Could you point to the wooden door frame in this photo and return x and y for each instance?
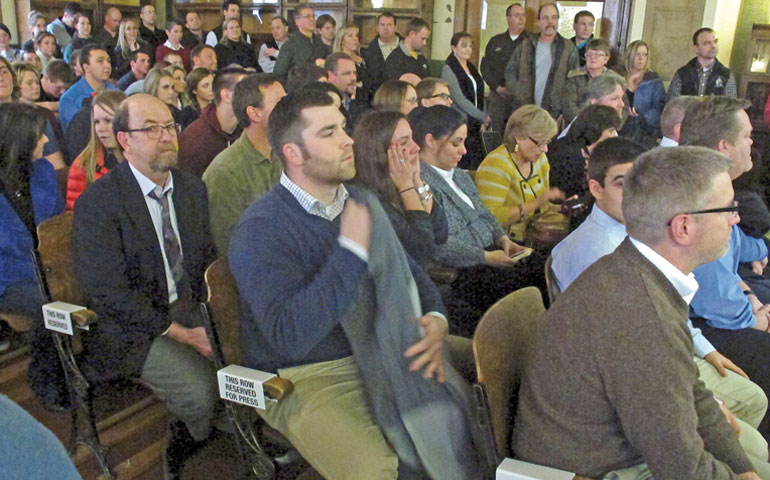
(616, 21)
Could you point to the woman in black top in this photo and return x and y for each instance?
(466, 87)
(232, 49)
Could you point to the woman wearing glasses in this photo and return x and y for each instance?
(466, 88)
(102, 153)
(513, 180)
(597, 56)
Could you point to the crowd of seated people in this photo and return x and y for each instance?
(365, 220)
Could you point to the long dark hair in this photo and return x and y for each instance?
(23, 125)
(372, 138)
(438, 120)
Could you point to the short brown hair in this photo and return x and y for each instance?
(711, 120)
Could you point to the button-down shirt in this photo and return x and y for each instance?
(600, 235)
(329, 212)
(720, 300)
(148, 186)
(448, 176)
(667, 142)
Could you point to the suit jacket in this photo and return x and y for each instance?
(119, 264)
(611, 382)
(471, 230)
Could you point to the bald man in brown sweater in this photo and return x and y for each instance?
(611, 390)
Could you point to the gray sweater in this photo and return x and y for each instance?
(612, 384)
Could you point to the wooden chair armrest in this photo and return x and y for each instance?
(277, 388)
(84, 318)
(19, 323)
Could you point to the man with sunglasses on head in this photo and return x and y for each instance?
(726, 308)
(141, 242)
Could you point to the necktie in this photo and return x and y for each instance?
(171, 245)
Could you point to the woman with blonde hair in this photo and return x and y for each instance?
(28, 80)
(128, 41)
(160, 83)
(232, 49)
(513, 180)
(346, 41)
(646, 93)
(102, 153)
(395, 95)
(180, 84)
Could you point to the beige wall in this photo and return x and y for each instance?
(721, 15)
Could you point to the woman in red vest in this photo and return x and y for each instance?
(102, 152)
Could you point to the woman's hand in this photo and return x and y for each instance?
(401, 172)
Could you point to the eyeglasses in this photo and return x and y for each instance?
(539, 144)
(733, 209)
(595, 54)
(307, 15)
(154, 132)
(443, 96)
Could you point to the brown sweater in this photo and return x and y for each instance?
(612, 384)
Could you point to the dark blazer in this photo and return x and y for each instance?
(471, 230)
(119, 264)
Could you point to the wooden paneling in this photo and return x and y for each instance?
(668, 28)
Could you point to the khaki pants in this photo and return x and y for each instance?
(327, 420)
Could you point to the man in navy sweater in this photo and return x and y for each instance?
(301, 256)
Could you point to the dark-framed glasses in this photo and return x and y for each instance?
(733, 209)
(154, 132)
(442, 96)
(539, 144)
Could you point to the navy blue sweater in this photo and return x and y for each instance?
(296, 283)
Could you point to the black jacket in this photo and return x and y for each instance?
(119, 264)
(717, 80)
(375, 65)
(399, 63)
(241, 53)
(496, 57)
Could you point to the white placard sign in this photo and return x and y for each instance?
(243, 385)
(512, 469)
(58, 316)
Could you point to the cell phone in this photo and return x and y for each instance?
(522, 254)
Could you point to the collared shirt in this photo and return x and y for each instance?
(514, 37)
(720, 300)
(169, 45)
(448, 176)
(667, 142)
(685, 285)
(387, 49)
(147, 186)
(314, 206)
(409, 52)
(599, 235)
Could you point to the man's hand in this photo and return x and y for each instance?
(503, 92)
(758, 266)
(730, 418)
(762, 317)
(429, 348)
(749, 476)
(195, 337)
(356, 223)
(271, 52)
(723, 364)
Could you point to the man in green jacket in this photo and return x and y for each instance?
(244, 171)
(305, 46)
